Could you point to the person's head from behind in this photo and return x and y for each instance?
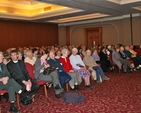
(88, 52)
(51, 55)
(74, 51)
(64, 52)
(1, 57)
(29, 54)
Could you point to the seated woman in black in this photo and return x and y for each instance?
(63, 76)
(105, 62)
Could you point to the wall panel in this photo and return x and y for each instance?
(20, 34)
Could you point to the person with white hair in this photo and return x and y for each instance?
(30, 58)
(76, 78)
(80, 67)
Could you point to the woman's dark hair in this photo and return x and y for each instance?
(34, 49)
(102, 48)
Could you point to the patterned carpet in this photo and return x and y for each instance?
(122, 94)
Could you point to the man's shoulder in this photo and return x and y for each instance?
(10, 63)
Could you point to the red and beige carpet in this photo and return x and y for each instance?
(121, 94)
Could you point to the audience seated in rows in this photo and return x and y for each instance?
(70, 65)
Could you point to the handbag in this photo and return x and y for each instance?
(48, 70)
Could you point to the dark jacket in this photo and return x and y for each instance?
(55, 63)
(5, 72)
(123, 55)
(103, 56)
(15, 73)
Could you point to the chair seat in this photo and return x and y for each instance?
(40, 82)
(2, 92)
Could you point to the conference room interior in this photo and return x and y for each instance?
(74, 24)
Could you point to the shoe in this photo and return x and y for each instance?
(58, 96)
(89, 86)
(77, 88)
(29, 102)
(57, 87)
(25, 103)
(73, 89)
(99, 82)
(14, 110)
(106, 78)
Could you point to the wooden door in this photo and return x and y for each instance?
(93, 36)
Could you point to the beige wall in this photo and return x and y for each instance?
(62, 35)
(117, 31)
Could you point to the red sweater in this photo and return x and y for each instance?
(66, 63)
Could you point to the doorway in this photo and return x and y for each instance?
(93, 36)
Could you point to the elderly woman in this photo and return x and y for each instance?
(76, 78)
(29, 58)
(80, 67)
(89, 61)
(63, 76)
(40, 65)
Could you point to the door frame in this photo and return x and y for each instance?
(93, 28)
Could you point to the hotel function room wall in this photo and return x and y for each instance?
(113, 32)
(21, 34)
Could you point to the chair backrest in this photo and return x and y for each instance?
(30, 69)
(110, 58)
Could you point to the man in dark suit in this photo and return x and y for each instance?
(18, 71)
(9, 84)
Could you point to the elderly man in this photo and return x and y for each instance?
(89, 61)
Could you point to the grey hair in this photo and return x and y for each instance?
(28, 52)
(75, 49)
(64, 51)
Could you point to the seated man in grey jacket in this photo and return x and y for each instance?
(119, 61)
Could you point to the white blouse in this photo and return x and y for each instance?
(74, 60)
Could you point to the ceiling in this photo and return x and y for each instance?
(66, 11)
